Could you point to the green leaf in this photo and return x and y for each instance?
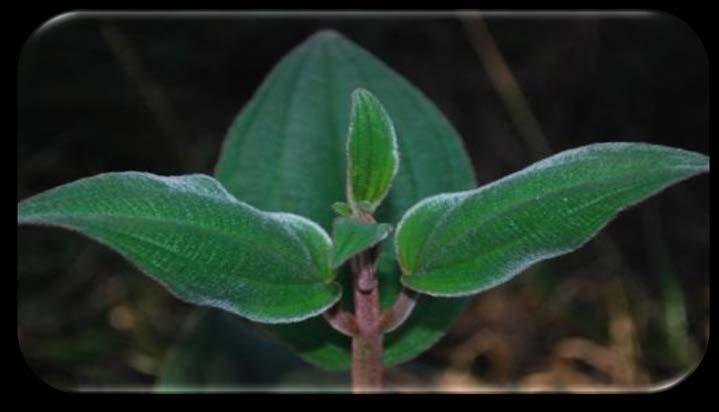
(342, 209)
(372, 158)
(364, 206)
(196, 362)
(194, 237)
(209, 356)
(286, 151)
(459, 244)
(351, 236)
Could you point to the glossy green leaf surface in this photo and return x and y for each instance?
(191, 235)
(458, 244)
(351, 236)
(372, 158)
(286, 152)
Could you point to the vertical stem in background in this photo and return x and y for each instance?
(507, 88)
(155, 97)
(367, 343)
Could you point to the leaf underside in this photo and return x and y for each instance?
(458, 244)
(286, 152)
(194, 237)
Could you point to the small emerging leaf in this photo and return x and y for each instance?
(351, 236)
(365, 207)
(195, 238)
(342, 209)
(372, 158)
(463, 243)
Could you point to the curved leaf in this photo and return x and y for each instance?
(342, 209)
(194, 237)
(372, 158)
(351, 236)
(286, 151)
(458, 244)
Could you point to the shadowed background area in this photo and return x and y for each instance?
(630, 309)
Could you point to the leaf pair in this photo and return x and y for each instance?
(209, 248)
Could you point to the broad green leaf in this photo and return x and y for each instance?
(372, 158)
(209, 356)
(194, 237)
(458, 244)
(351, 236)
(196, 362)
(286, 152)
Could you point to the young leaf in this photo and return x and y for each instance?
(194, 237)
(372, 157)
(286, 151)
(463, 243)
(351, 236)
(342, 209)
(365, 206)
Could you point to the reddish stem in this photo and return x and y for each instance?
(392, 318)
(343, 321)
(368, 325)
(367, 343)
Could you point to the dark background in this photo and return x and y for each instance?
(110, 93)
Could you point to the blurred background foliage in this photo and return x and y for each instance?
(108, 93)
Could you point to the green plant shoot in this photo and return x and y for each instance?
(207, 241)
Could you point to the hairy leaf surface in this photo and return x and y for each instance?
(351, 236)
(194, 237)
(372, 158)
(462, 243)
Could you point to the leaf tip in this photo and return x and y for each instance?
(361, 93)
(704, 163)
(325, 35)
